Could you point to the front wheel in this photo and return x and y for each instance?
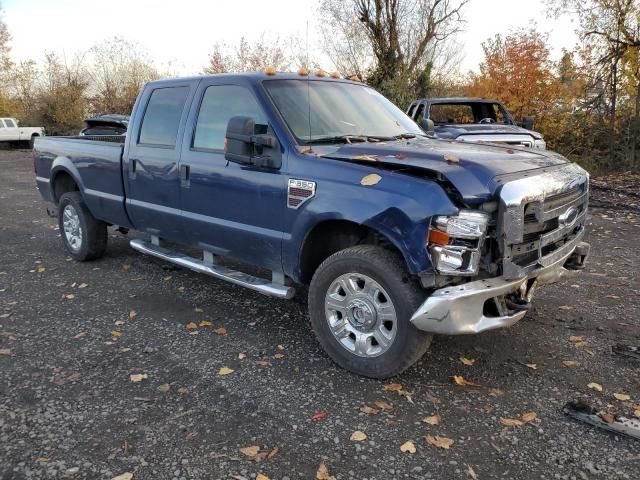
(361, 300)
(84, 236)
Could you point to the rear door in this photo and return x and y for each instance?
(230, 209)
(153, 185)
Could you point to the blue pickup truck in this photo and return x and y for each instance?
(321, 181)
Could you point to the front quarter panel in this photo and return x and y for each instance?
(399, 206)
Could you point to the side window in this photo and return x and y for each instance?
(162, 116)
(219, 104)
(9, 123)
(419, 113)
(1, 124)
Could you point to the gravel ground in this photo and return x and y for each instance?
(72, 334)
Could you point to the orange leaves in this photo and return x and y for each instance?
(527, 417)
(460, 380)
(440, 442)
(318, 415)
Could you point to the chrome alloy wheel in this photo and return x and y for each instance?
(72, 228)
(361, 315)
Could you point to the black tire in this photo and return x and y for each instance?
(92, 232)
(389, 271)
(31, 142)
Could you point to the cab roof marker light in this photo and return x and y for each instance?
(270, 70)
(303, 72)
(335, 74)
(354, 78)
(320, 73)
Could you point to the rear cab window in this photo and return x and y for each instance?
(162, 115)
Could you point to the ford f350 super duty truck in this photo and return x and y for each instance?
(324, 182)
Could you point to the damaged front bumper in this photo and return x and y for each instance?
(492, 303)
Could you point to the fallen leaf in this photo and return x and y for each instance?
(133, 314)
(323, 473)
(118, 323)
(69, 296)
(124, 476)
(440, 442)
(280, 347)
(242, 356)
(462, 381)
(529, 417)
(251, 451)
(595, 386)
(511, 422)
(272, 453)
(115, 333)
(164, 388)
(575, 338)
(606, 417)
(371, 179)
(205, 323)
(42, 460)
(623, 397)
(636, 412)
(566, 307)
(40, 269)
(570, 363)
(5, 351)
(183, 391)
(191, 325)
(471, 473)
(191, 435)
(225, 371)
(221, 331)
(358, 436)
(263, 363)
(408, 447)
(433, 420)
(278, 356)
(495, 392)
(393, 387)
(138, 377)
(318, 415)
(261, 476)
(83, 285)
(532, 366)
(383, 405)
(368, 410)
(468, 361)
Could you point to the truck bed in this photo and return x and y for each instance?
(96, 165)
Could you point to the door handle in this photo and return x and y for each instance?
(134, 165)
(185, 174)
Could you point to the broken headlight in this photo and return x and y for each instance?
(455, 242)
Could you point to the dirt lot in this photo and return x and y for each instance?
(71, 334)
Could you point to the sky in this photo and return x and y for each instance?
(179, 34)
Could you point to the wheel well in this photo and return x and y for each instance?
(330, 237)
(63, 183)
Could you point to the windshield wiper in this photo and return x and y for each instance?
(405, 136)
(337, 139)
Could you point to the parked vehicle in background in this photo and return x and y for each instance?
(322, 181)
(474, 120)
(111, 124)
(11, 131)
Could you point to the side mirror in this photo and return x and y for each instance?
(242, 144)
(427, 125)
(527, 123)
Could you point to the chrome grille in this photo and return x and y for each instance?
(539, 215)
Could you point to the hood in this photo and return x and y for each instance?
(454, 131)
(475, 170)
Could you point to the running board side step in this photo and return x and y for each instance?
(261, 285)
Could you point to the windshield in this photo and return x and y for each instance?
(465, 113)
(314, 110)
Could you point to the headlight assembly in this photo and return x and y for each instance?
(455, 242)
(540, 144)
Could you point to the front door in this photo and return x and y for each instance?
(230, 209)
(10, 131)
(153, 194)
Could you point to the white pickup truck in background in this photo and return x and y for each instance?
(10, 131)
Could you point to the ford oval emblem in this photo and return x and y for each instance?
(568, 218)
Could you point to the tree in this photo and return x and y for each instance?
(248, 57)
(517, 70)
(391, 42)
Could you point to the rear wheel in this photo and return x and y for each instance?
(32, 141)
(84, 237)
(361, 300)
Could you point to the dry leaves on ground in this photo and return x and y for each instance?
(116, 333)
(323, 473)
(133, 314)
(5, 351)
(408, 447)
(164, 388)
(124, 476)
(318, 415)
(242, 356)
(460, 380)
(368, 410)
(138, 377)
(623, 397)
(440, 442)
(396, 387)
(595, 386)
(518, 422)
(191, 325)
(383, 405)
(205, 323)
(251, 451)
(261, 476)
(532, 366)
(606, 417)
(358, 436)
(225, 371)
(220, 331)
(468, 361)
(570, 363)
(433, 420)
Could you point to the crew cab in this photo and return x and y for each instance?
(467, 119)
(10, 131)
(322, 181)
